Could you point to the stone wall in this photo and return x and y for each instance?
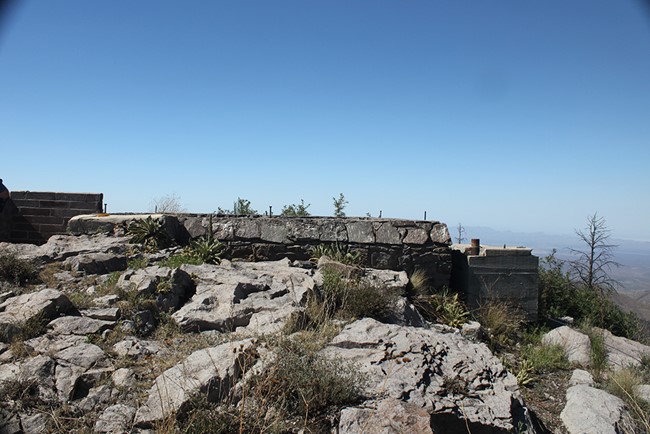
(32, 217)
(505, 274)
(381, 243)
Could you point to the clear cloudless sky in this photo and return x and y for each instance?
(517, 115)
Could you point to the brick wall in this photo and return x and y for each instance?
(33, 217)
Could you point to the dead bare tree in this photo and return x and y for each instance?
(460, 234)
(593, 264)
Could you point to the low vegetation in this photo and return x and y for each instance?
(150, 233)
(440, 306)
(17, 271)
(298, 388)
(296, 210)
(337, 252)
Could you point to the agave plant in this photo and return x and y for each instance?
(150, 233)
(206, 249)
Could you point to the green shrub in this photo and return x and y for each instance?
(354, 298)
(240, 207)
(16, 270)
(299, 387)
(296, 210)
(366, 301)
(560, 296)
(339, 205)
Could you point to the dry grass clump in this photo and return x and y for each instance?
(501, 322)
(298, 388)
(623, 383)
(16, 270)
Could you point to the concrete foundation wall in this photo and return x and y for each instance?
(33, 217)
(510, 275)
(381, 243)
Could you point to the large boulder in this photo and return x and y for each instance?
(211, 371)
(61, 247)
(170, 287)
(449, 377)
(623, 352)
(79, 325)
(18, 313)
(594, 411)
(71, 363)
(258, 296)
(577, 346)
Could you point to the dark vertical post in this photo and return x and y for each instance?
(475, 247)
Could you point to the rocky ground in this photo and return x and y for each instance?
(112, 339)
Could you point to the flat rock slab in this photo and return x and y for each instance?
(580, 376)
(594, 411)
(136, 347)
(442, 373)
(213, 371)
(79, 325)
(387, 417)
(16, 312)
(106, 314)
(60, 247)
(117, 418)
(97, 263)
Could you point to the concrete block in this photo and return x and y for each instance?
(360, 232)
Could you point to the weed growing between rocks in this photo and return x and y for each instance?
(137, 263)
(598, 359)
(338, 253)
(175, 261)
(350, 298)
(437, 306)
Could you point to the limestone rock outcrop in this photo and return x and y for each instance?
(449, 377)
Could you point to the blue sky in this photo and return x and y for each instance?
(522, 116)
